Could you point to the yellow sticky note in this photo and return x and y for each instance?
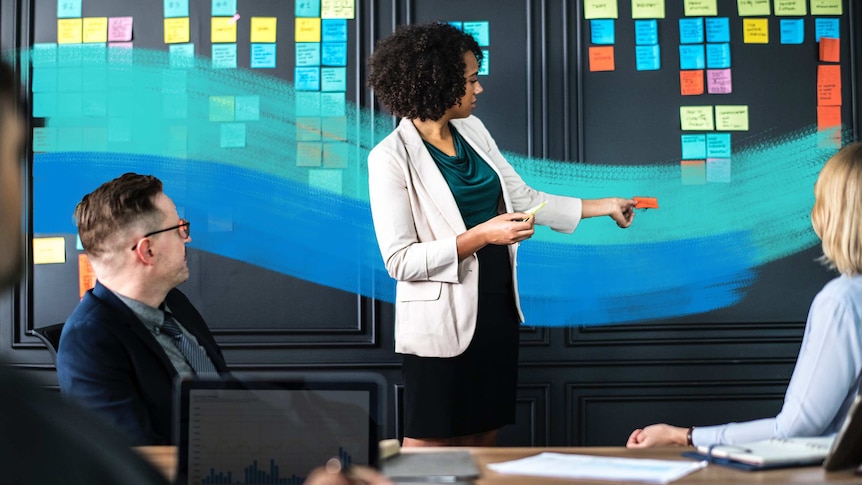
(223, 29)
(96, 29)
(337, 9)
(755, 31)
(698, 8)
(826, 7)
(647, 9)
(176, 30)
(790, 7)
(69, 31)
(263, 29)
(696, 118)
(600, 9)
(48, 250)
(731, 118)
(307, 29)
(747, 8)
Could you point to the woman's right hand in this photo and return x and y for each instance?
(508, 228)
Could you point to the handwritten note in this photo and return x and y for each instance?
(826, 28)
(224, 56)
(223, 8)
(333, 54)
(44, 139)
(792, 31)
(691, 82)
(718, 170)
(263, 56)
(307, 54)
(731, 118)
(755, 31)
(222, 29)
(693, 147)
(247, 108)
(306, 78)
(307, 8)
(830, 49)
(785, 8)
(648, 9)
(718, 145)
(479, 30)
(696, 118)
(600, 9)
(307, 30)
(308, 154)
(337, 9)
(333, 104)
(95, 29)
(691, 56)
(828, 85)
(601, 58)
(335, 30)
(181, 56)
(602, 31)
(826, 7)
(176, 8)
(263, 29)
(718, 29)
(718, 81)
(647, 57)
(49, 250)
(646, 32)
(120, 29)
(176, 30)
(308, 129)
(691, 31)
(68, 9)
(747, 8)
(701, 7)
(69, 31)
(333, 79)
(717, 56)
(307, 103)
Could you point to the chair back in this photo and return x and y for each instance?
(50, 336)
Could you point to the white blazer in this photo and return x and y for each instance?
(417, 220)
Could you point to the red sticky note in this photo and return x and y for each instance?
(602, 58)
(828, 85)
(86, 275)
(691, 82)
(645, 202)
(830, 49)
(828, 117)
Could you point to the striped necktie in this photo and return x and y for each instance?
(194, 354)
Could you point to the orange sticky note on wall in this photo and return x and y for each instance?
(830, 49)
(691, 82)
(828, 117)
(602, 58)
(86, 276)
(828, 85)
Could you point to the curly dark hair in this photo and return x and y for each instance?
(418, 71)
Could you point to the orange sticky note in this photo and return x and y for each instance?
(645, 202)
(602, 58)
(828, 85)
(691, 82)
(830, 49)
(86, 276)
(828, 117)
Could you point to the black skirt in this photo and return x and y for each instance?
(473, 392)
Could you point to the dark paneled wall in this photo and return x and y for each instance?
(578, 386)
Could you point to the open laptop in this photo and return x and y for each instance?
(275, 430)
(844, 450)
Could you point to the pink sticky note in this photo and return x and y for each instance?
(119, 29)
(718, 81)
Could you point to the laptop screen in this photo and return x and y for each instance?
(273, 431)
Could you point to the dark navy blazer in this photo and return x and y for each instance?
(108, 361)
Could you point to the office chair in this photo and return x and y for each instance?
(50, 336)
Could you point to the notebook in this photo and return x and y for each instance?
(274, 431)
(844, 450)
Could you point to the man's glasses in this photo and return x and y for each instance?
(184, 227)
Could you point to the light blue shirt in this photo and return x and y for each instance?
(825, 379)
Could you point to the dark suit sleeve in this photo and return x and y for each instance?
(94, 370)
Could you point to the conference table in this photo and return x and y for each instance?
(165, 459)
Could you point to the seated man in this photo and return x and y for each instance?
(134, 334)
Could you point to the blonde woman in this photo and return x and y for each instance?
(827, 373)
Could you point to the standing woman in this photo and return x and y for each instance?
(448, 212)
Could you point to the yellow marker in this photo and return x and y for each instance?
(533, 211)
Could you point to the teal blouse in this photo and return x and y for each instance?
(472, 181)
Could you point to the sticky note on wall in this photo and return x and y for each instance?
(601, 58)
(755, 31)
(307, 30)
(696, 118)
(731, 117)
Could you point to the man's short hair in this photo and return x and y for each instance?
(114, 207)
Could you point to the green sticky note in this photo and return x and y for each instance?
(221, 108)
(600, 9)
(747, 8)
(795, 8)
(731, 118)
(826, 7)
(647, 9)
(695, 8)
(696, 118)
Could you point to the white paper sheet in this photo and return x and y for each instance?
(562, 465)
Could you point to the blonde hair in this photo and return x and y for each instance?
(837, 213)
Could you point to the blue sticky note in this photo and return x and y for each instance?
(232, 135)
(70, 54)
(93, 54)
(792, 31)
(69, 79)
(224, 56)
(691, 30)
(306, 78)
(457, 25)
(485, 66)
(182, 56)
(718, 29)
(68, 9)
(717, 56)
(44, 55)
(646, 32)
(307, 103)
(70, 105)
(123, 55)
(718, 145)
(479, 31)
(307, 54)
(691, 57)
(177, 8)
(824, 27)
(333, 30)
(223, 8)
(94, 78)
(44, 80)
(647, 57)
(247, 108)
(307, 8)
(333, 54)
(44, 105)
(333, 104)
(602, 31)
(333, 79)
(263, 55)
(693, 147)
